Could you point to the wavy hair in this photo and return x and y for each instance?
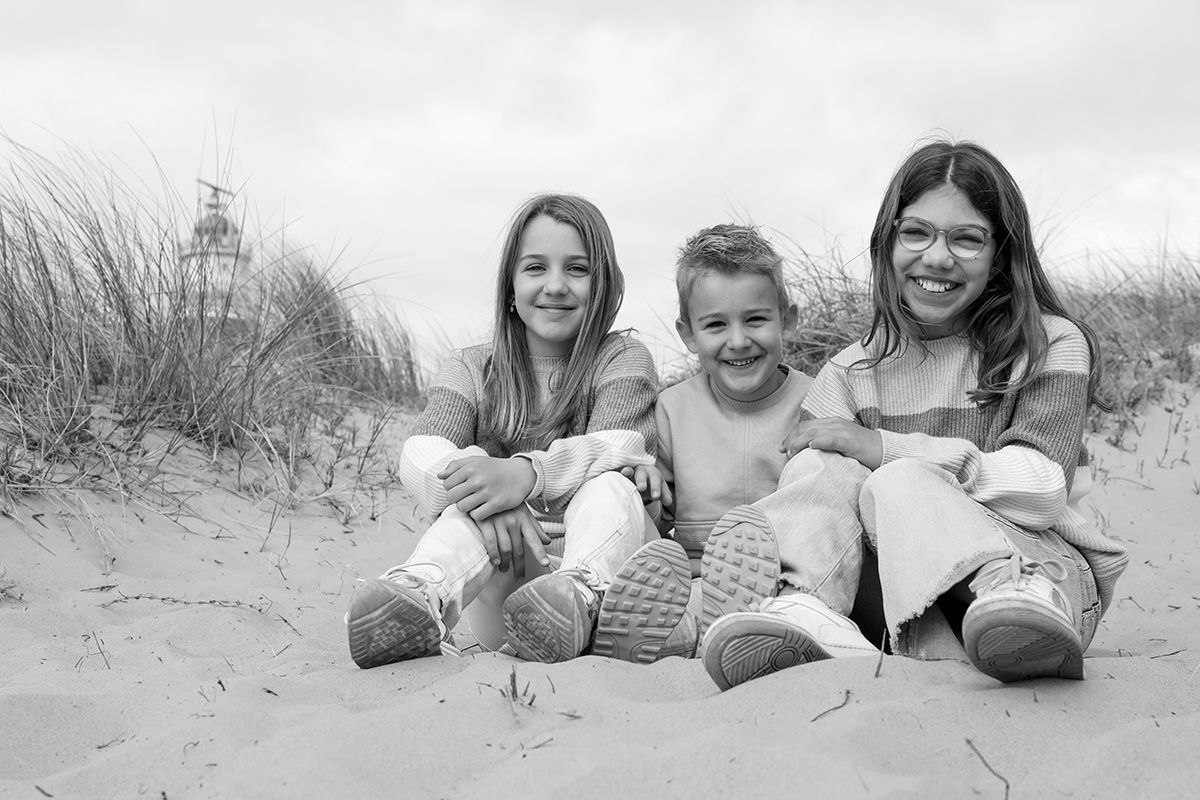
(510, 405)
(1004, 323)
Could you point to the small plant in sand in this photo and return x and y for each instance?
(8, 589)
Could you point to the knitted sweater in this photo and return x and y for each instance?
(616, 430)
(716, 452)
(1022, 457)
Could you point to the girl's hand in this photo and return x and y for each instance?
(510, 537)
(649, 483)
(482, 486)
(835, 435)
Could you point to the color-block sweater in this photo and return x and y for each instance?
(616, 430)
(717, 452)
(1022, 457)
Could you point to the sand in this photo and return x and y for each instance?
(196, 648)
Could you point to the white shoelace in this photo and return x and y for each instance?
(1019, 571)
(1041, 578)
(587, 578)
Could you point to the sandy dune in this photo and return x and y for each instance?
(209, 660)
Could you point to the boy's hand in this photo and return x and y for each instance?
(510, 537)
(835, 435)
(649, 482)
(482, 486)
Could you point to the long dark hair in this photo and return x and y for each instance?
(1005, 321)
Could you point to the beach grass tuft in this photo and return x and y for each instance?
(108, 334)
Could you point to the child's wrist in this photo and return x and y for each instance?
(528, 473)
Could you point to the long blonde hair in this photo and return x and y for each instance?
(510, 404)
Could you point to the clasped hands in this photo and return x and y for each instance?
(492, 492)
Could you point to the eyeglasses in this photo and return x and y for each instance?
(917, 236)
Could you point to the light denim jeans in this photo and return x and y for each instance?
(605, 523)
(928, 536)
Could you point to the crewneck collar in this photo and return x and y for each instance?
(774, 397)
(543, 364)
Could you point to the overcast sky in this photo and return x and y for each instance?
(404, 134)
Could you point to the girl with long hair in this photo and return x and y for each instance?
(513, 456)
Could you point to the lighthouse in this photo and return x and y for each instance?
(217, 241)
(216, 263)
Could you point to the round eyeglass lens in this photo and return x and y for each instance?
(915, 235)
(966, 242)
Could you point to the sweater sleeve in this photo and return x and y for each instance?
(444, 431)
(620, 429)
(830, 395)
(1027, 478)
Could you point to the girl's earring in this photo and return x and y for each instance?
(512, 306)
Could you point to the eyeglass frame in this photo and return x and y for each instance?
(987, 236)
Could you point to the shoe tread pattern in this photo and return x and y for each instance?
(1012, 643)
(645, 602)
(544, 622)
(389, 623)
(740, 566)
(753, 647)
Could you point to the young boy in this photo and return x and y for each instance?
(719, 441)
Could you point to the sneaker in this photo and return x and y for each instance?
(786, 631)
(644, 604)
(740, 566)
(552, 617)
(836, 634)
(1020, 624)
(393, 619)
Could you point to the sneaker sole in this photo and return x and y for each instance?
(740, 566)
(644, 604)
(1013, 642)
(546, 626)
(744, 647)
(389, 623)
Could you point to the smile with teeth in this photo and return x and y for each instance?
(935, 286)
(740, 362)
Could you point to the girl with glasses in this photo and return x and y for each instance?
(945, 447)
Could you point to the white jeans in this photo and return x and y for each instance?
(927, 533)
(605, 523)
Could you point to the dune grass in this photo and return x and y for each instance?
(106, 335)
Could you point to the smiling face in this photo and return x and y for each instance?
(552, 283)
(736, 328)
(936, 286)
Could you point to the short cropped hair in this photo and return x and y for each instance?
(727, 250)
